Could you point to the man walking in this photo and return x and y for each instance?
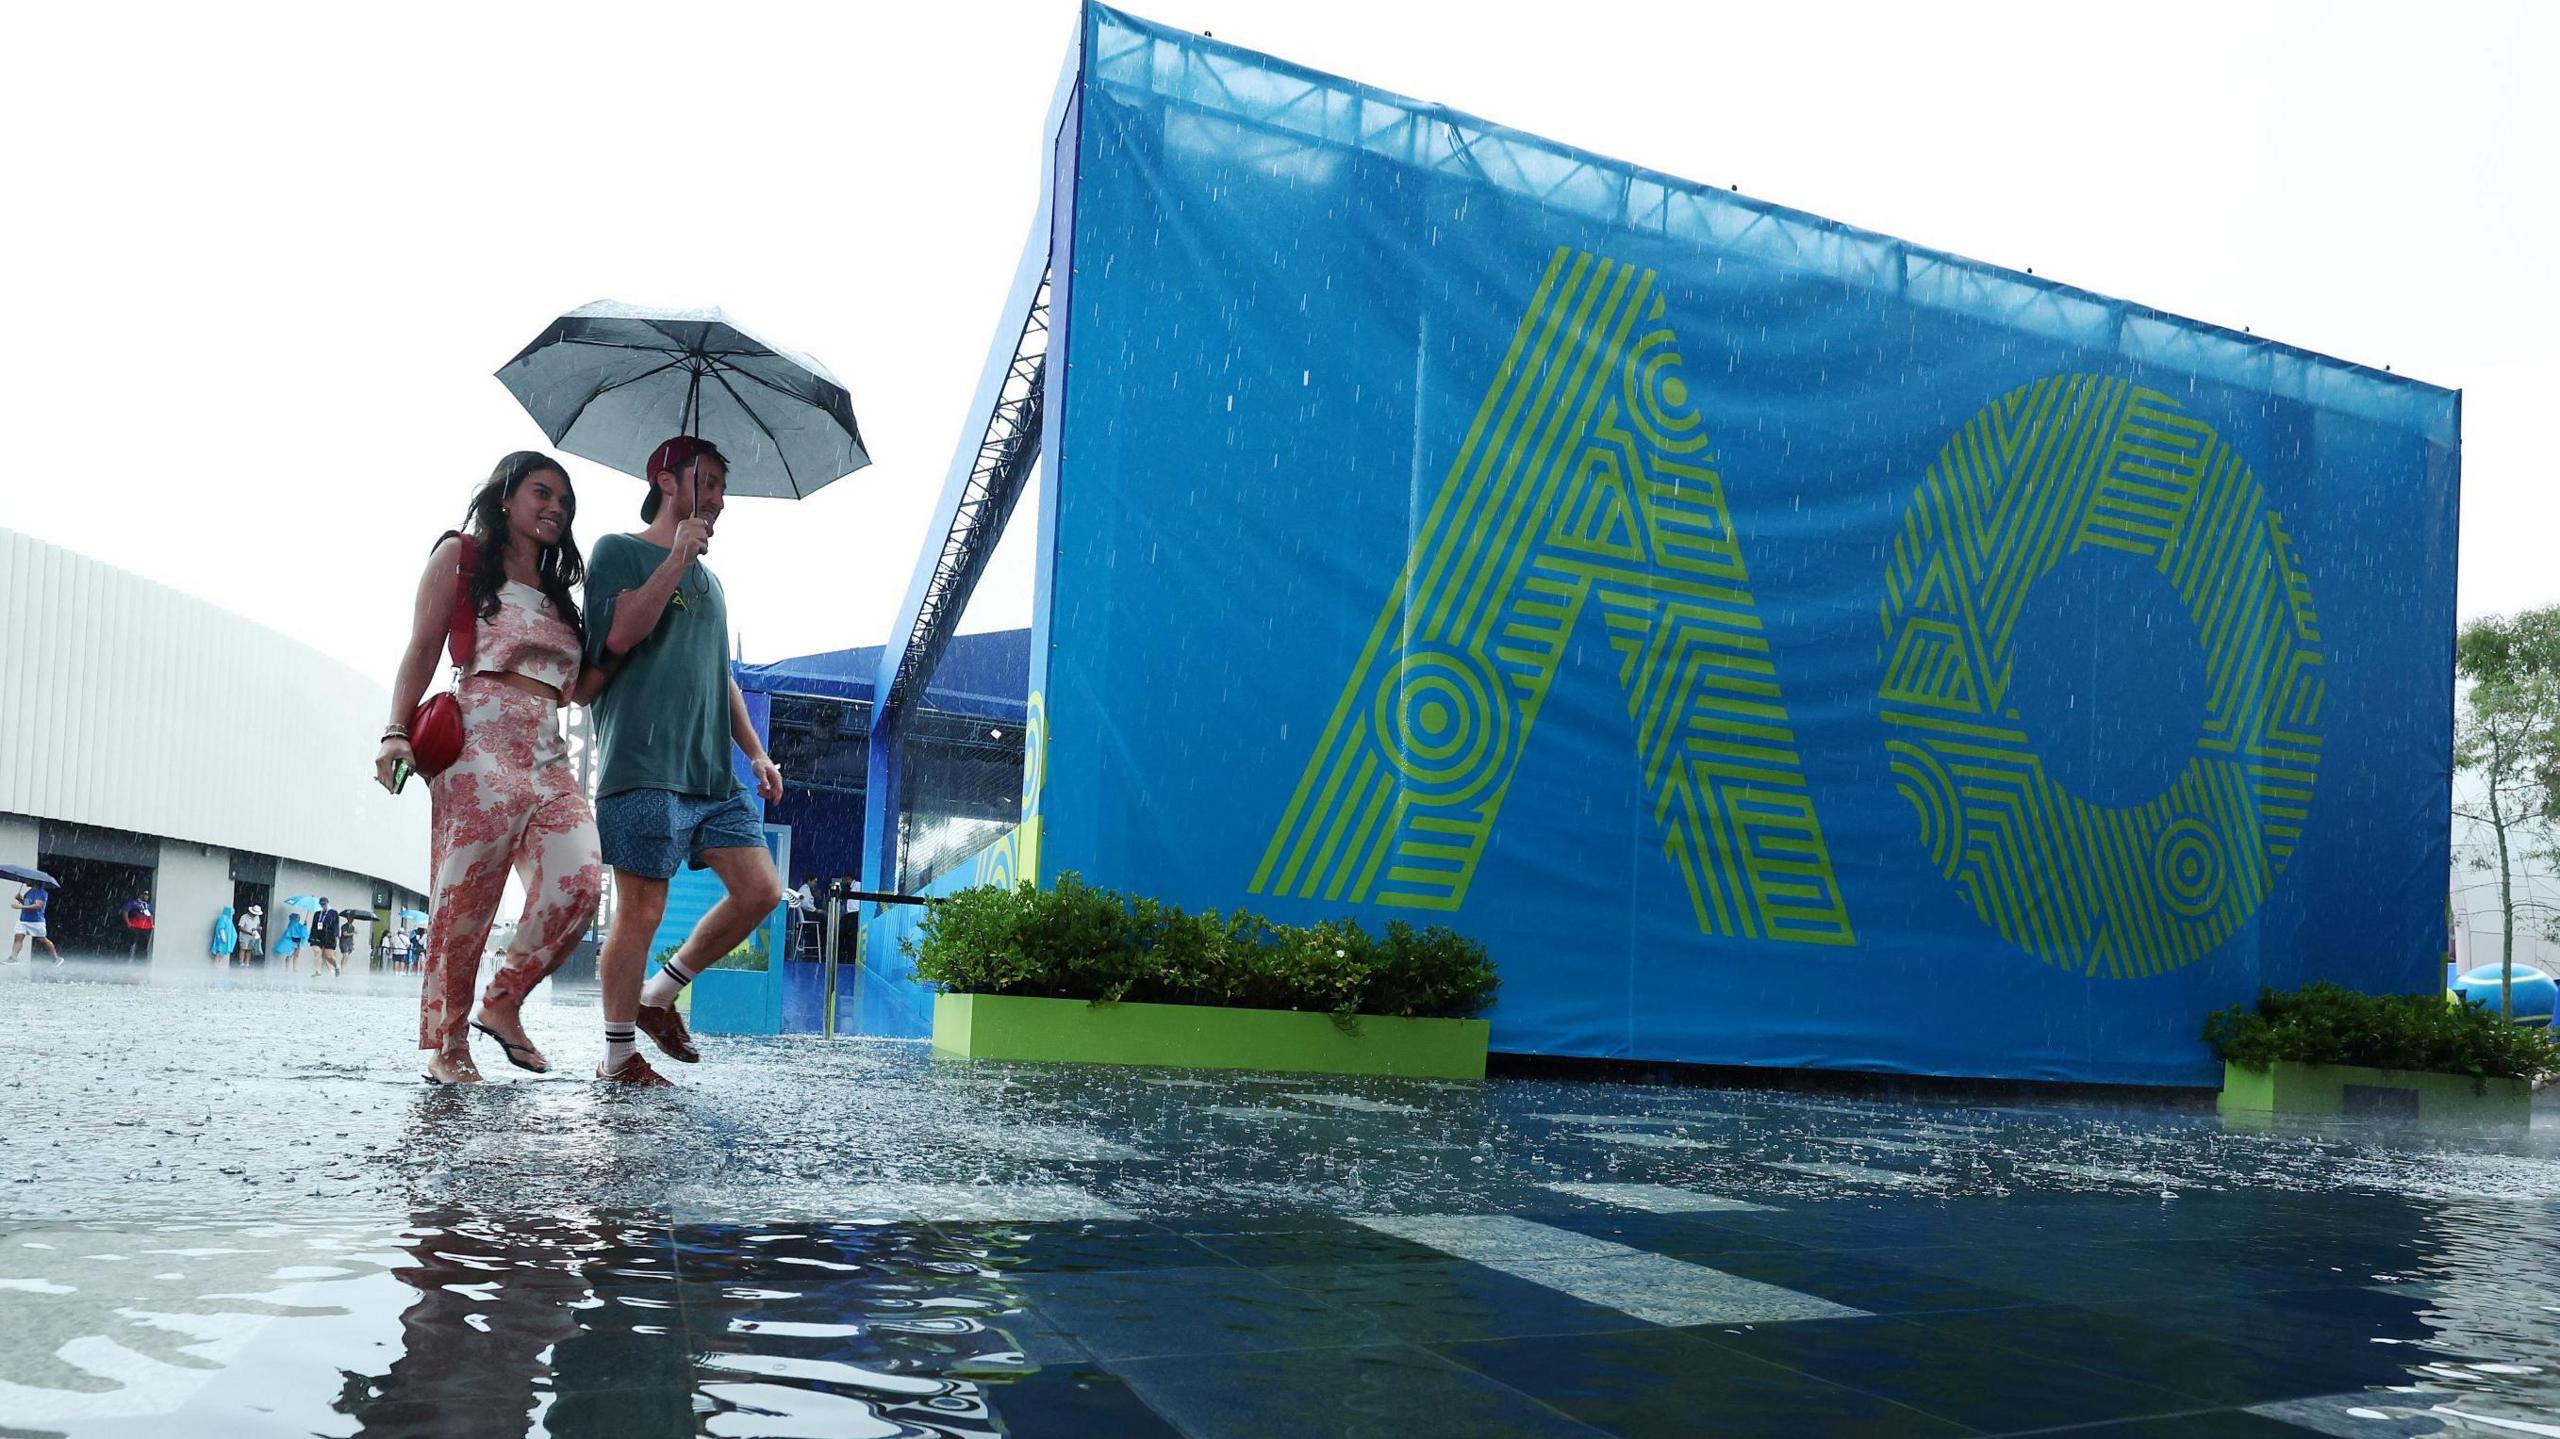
(253, 935)
(665, 792)
(31, 902)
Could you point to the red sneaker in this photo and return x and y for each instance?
(665, 1029)
(635, 1072)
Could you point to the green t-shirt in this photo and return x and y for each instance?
(663, 723)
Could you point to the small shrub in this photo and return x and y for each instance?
(2325, 1024)
(1074, 941)
(749, 955)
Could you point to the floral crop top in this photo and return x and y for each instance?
(527, 637)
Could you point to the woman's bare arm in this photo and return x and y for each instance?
(429, 620)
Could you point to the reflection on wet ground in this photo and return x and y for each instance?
(229, 1208)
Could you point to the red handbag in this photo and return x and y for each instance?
(435, 729)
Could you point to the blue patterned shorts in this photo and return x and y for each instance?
(654, 831)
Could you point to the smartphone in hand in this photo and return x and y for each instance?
(399, 775)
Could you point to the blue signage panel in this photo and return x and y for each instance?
(1779, 644)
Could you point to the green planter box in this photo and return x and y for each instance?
(2349, 1091)
(1191, 1036)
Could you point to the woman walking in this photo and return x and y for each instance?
(510, 800)
(226, 939)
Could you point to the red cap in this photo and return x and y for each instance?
(679, 452)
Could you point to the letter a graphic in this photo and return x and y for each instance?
(1585, 480)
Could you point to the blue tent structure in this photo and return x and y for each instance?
(819, 729)
(1779, 643)
(815, 714)
(981, 674)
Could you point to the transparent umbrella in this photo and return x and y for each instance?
(609, 381)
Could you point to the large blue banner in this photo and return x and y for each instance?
(1779, 644)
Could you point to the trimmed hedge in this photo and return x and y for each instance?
(1074, 941)
(2325, 1024)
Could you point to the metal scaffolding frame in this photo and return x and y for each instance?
(1235, 107)
(1006, 455)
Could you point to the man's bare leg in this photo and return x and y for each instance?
(753, 890)
(746, 872)
(639, 902)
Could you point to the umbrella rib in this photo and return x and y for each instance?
(852, 431)
(779, 453)
(619, 345)
(670, 348)
(600, 392)
(702, 349)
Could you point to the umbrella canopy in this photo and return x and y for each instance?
(364, 914)
(303, 901)
(609, 381)
(413, 916)
(28, 874)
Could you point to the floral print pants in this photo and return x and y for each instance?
(509, 802)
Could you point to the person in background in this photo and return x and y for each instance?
(137, 927)
(418, 947)
(395, 949)
(848, 922)
(253, 934)
(324, 938)
(804, 918)
(350, 940)
(31, 902)
(289, 944)
(226, 939)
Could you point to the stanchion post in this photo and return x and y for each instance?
(828, 948)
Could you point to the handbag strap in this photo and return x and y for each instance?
(462, 634)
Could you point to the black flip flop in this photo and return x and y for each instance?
(511, 1048)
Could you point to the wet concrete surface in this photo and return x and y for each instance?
(227, 1205)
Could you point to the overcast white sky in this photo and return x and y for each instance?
(268, 257)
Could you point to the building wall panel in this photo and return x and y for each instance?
(122, 704)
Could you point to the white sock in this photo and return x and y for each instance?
(620, 1043)
(663, 987)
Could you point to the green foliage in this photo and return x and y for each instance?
(2507, 740)
(1074, 941)
(2509, 731)
(2325, 1024)
(2522, 648)
(750, 955)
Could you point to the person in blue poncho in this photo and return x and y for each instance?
(289, 944)
(226, 938)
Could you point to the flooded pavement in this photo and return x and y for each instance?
(229, 1207)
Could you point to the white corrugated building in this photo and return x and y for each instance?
(129, 757)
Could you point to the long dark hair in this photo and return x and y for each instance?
(562, 568)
